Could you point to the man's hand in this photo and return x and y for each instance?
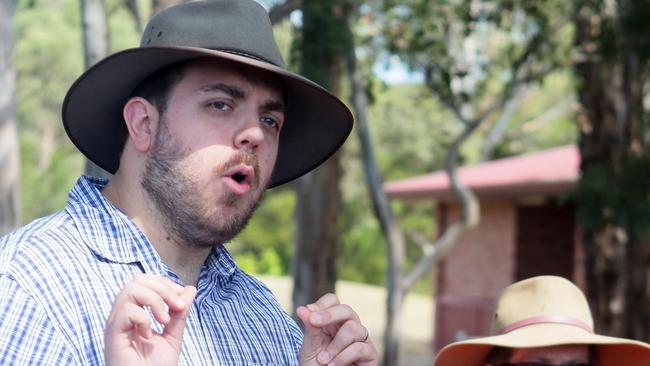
(334, 335)
(128, 336)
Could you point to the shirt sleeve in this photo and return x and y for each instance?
(27, 337)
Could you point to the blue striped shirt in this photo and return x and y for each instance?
(60, 274)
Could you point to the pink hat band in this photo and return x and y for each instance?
(548, 319)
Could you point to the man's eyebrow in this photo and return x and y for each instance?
(231, 90)
(238, 93)
(274, 106)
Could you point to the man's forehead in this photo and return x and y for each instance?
(206, 69)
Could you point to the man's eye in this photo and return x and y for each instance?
(222, 106)
(271, 122)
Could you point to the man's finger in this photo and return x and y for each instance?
(349, 333)
(358, 353)
(176, 326)
(332, 315)
(163, 286)
(131, 316)
(144, 296)
(324, 302)
(303, 313)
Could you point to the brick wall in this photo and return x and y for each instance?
(482, 261)
(474, 272)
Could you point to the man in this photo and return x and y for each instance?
(544, 321)
(195, 124)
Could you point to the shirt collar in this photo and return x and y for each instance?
(221, 262)
(105, 229)
(112, 235)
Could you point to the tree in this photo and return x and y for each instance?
(95, 41)
(9, 167)
(281, 11)
(134, 10)
(321, 48)
(614, 190)
(158, 5)
(452, 45)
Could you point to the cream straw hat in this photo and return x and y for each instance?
(539, 312)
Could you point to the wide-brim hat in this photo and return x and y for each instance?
(316, 123)
(544, 311)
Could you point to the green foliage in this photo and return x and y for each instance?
(323, 41)
(122, 29)
(544, 119)
(49, 163)
(616, 27)
(44, 189)
(409, 129)
(619, 197)
(266, 245)
(468, 51)
(614, 187)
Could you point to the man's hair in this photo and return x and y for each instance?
(502, 354)
(157, 87)
(498, 355)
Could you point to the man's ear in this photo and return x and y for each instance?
(141, 118)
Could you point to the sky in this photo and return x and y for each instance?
(392, 71)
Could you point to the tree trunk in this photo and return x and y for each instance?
(319, 198)
(398, 281)
(132, 7)
(95, 40)
(395, 245)
(158, 5)
(610, 121)
(281, 11)
(317, 211)
(9, 150)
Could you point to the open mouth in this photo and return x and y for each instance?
(240, 179)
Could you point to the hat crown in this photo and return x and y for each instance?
(540, 297)
(237, 26)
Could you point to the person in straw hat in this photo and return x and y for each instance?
(544, 321)
(195, 124)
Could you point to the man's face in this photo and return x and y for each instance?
(564, 355)
(214, 151)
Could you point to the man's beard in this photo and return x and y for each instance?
(178, 197)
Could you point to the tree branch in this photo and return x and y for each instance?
(132, 7)
(281, 11)
(441, 247)
(424, 244)
(498, 130)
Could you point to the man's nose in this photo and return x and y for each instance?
(250, 135)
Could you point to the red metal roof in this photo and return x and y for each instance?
(547, 172)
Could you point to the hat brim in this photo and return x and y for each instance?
(317, 122)
(612, 351)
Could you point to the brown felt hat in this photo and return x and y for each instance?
(317, 122)
(544, 311)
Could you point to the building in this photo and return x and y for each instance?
(527, 228)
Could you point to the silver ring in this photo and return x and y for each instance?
(367, 335)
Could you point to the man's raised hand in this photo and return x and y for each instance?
(129, 339)
(334, 335)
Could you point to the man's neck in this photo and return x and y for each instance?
(183, 259)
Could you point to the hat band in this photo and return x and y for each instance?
(553, 319)
(245, 54)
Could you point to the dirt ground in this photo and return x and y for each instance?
(370, 303)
